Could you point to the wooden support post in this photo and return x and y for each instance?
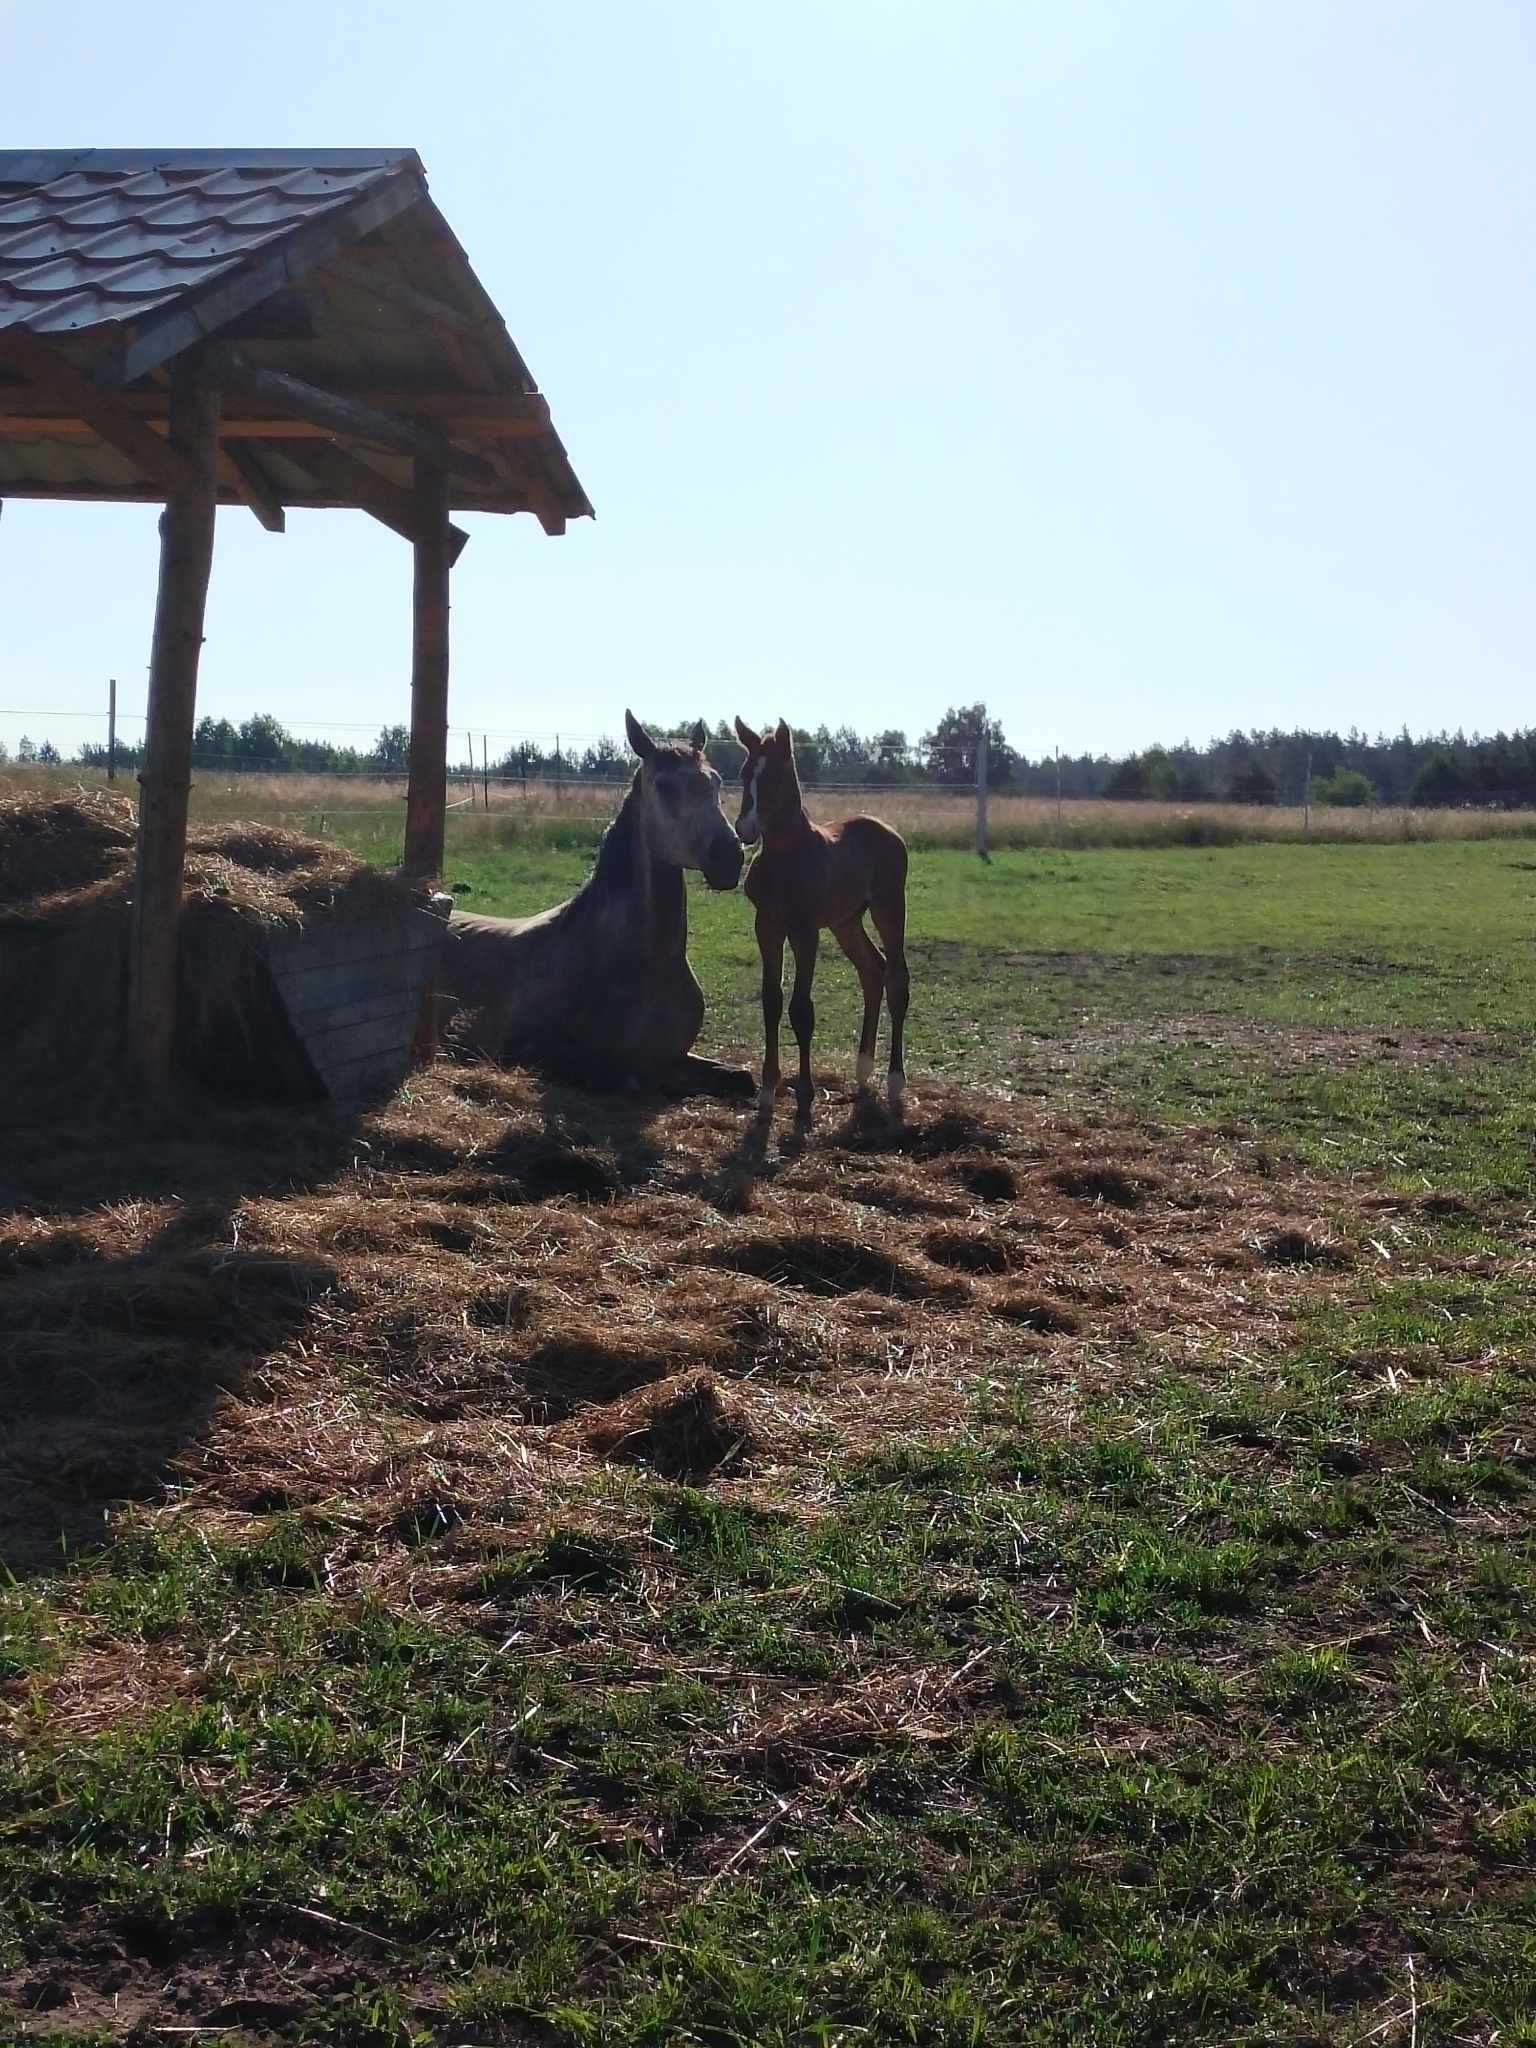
(186, 555)
(112, 729)
(981, 792)
(427, 792)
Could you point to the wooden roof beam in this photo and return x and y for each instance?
(30, 423)
(116, 424)
(355, 482)
(501, 415)
(344, 417)
(243, 471)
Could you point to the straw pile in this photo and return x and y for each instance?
(408, 1323)
(66, 889)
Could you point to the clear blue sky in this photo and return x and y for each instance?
(1146, 368)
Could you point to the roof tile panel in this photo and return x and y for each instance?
(112, 238)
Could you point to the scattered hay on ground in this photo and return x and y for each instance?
(490, 1289)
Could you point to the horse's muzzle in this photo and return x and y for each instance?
(723, 868)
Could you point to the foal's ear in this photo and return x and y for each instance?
(749, 739)
(784, 736)
(699, 737)
(640, 740)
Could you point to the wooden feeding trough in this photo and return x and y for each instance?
(262, 328)
(354, 997)
(302, 974)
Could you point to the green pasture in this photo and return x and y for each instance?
(1253, 1750)
(1370, 1006)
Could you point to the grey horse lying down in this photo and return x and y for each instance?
(598, 990)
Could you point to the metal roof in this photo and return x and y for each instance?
(87, 238)
(127, 257)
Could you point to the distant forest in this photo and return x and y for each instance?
(1437, 770)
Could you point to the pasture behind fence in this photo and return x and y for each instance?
(565, 786)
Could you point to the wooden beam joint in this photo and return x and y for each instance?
(347, 418)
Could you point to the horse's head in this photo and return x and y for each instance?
(770, 782)
(684, 822)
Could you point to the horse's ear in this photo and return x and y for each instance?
(699, 737)
(749, 739)
(640, 740)
(784, 736)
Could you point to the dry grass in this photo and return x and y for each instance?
(927, 817)
(420, 1317)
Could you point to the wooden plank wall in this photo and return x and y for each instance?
(354, 994)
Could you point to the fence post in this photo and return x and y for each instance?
(485, 765)
(981, 793)
(112, 730)
(559, 772)
(1306, 824)
(1058, 796)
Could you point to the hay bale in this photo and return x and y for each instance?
(50, 844)
(66, 892)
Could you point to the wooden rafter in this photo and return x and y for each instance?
(243, 470)
(70, 390)
(501, 414)
(32, 423)
(353, 481)
(344, 417)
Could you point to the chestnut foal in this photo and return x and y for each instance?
(814, 878)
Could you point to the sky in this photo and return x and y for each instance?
(1141, 367)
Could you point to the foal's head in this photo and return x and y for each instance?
(770, 782)
(684, 823)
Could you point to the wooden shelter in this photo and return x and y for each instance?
(265, 328)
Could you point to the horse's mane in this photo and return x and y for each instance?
(616, 850)
(616, 869)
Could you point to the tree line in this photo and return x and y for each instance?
(1434, 771)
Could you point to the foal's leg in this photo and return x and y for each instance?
(889, 910)
(869, 964)
(770, 943)
(802, 1011)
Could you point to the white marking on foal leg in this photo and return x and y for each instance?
(766, 1097)
(864, 1067)
(898, 1093)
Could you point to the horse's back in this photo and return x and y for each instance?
(873, 840)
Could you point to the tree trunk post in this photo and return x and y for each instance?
(112, 729)
(426, 800)
(165, 777)
(981, 793)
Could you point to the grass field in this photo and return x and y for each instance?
(1060, 1572)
